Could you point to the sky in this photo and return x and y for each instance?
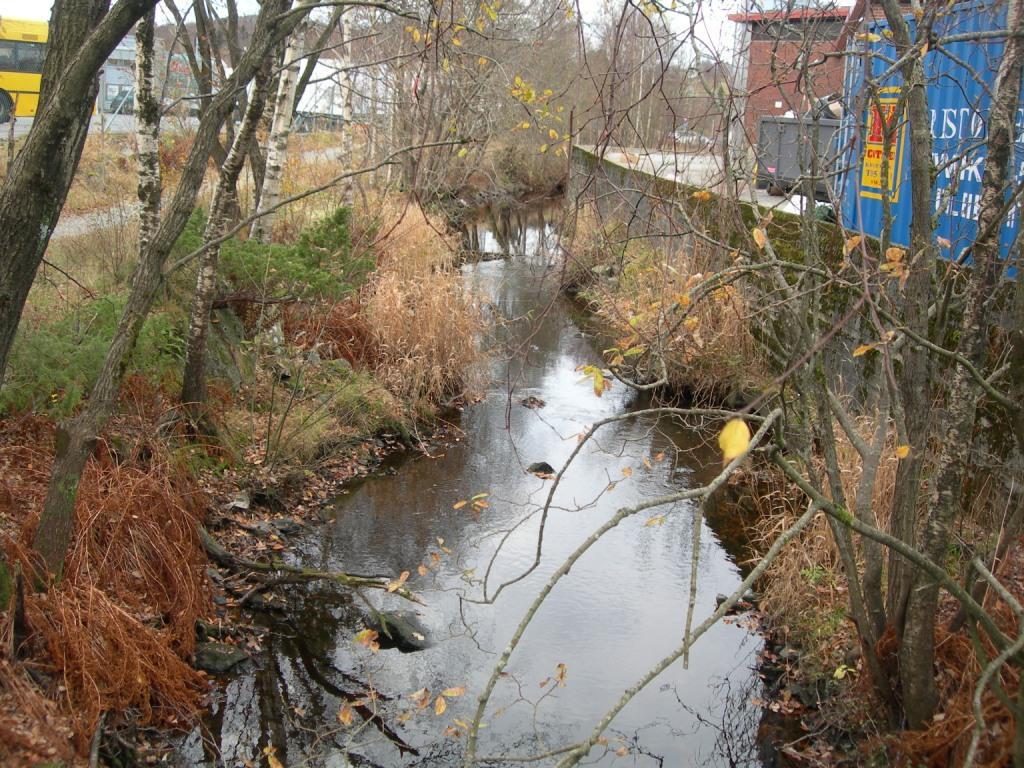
(716, 32)
(26, 9)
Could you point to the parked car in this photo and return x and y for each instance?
(690, 140)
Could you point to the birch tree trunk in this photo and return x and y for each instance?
(277, 145)
(147, 116)
(225, 200)
(76, 437)
(345, 83)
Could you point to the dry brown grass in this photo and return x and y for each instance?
(116, 632)
(706, 344)
(408, 242)
(107, 174)
(805, 588)
(424, 325)
(426, 334)
(413, 325)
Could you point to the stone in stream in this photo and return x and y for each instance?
(399, 629)
(532, 402)
(218, 658)
(749, 600)
(540, 468)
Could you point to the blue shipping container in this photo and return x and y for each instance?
(961, 74)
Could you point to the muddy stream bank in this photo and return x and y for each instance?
(622, 608)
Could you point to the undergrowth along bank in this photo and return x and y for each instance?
(689, 320)
(360, 324)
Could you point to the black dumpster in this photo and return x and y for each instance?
(786, 153)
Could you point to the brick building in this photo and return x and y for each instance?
(778, 47)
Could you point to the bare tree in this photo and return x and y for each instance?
(82, 35)
(225, 200)
(76, 438)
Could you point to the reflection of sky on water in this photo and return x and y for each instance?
(622, 607)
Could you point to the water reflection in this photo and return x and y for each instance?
(625, 605)
(502, 230)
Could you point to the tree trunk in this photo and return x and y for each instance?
(75, 441)
(225, 200)
(75, 438)
(82, 35)
(277, 146)
(345, 83)
(147, 116)
(915, 387)
(917, 648)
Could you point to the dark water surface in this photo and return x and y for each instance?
(622, 607)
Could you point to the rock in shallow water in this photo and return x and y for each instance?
(399, 629)
(218, 658)
(541, 468)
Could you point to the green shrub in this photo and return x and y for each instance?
(54, 365)
(319, 264)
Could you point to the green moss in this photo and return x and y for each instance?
(842, 514)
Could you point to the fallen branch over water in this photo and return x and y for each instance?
(220, 555)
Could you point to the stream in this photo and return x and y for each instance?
(621, 608)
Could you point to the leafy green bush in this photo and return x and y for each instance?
(319, 264)
(54, 365)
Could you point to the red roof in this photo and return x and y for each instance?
(797, 14)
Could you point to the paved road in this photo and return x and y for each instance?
(99, 124)
(71, 225)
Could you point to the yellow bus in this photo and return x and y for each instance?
(22, 45)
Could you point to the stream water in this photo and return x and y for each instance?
(622, 607)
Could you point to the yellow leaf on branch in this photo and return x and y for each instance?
(734, 439)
